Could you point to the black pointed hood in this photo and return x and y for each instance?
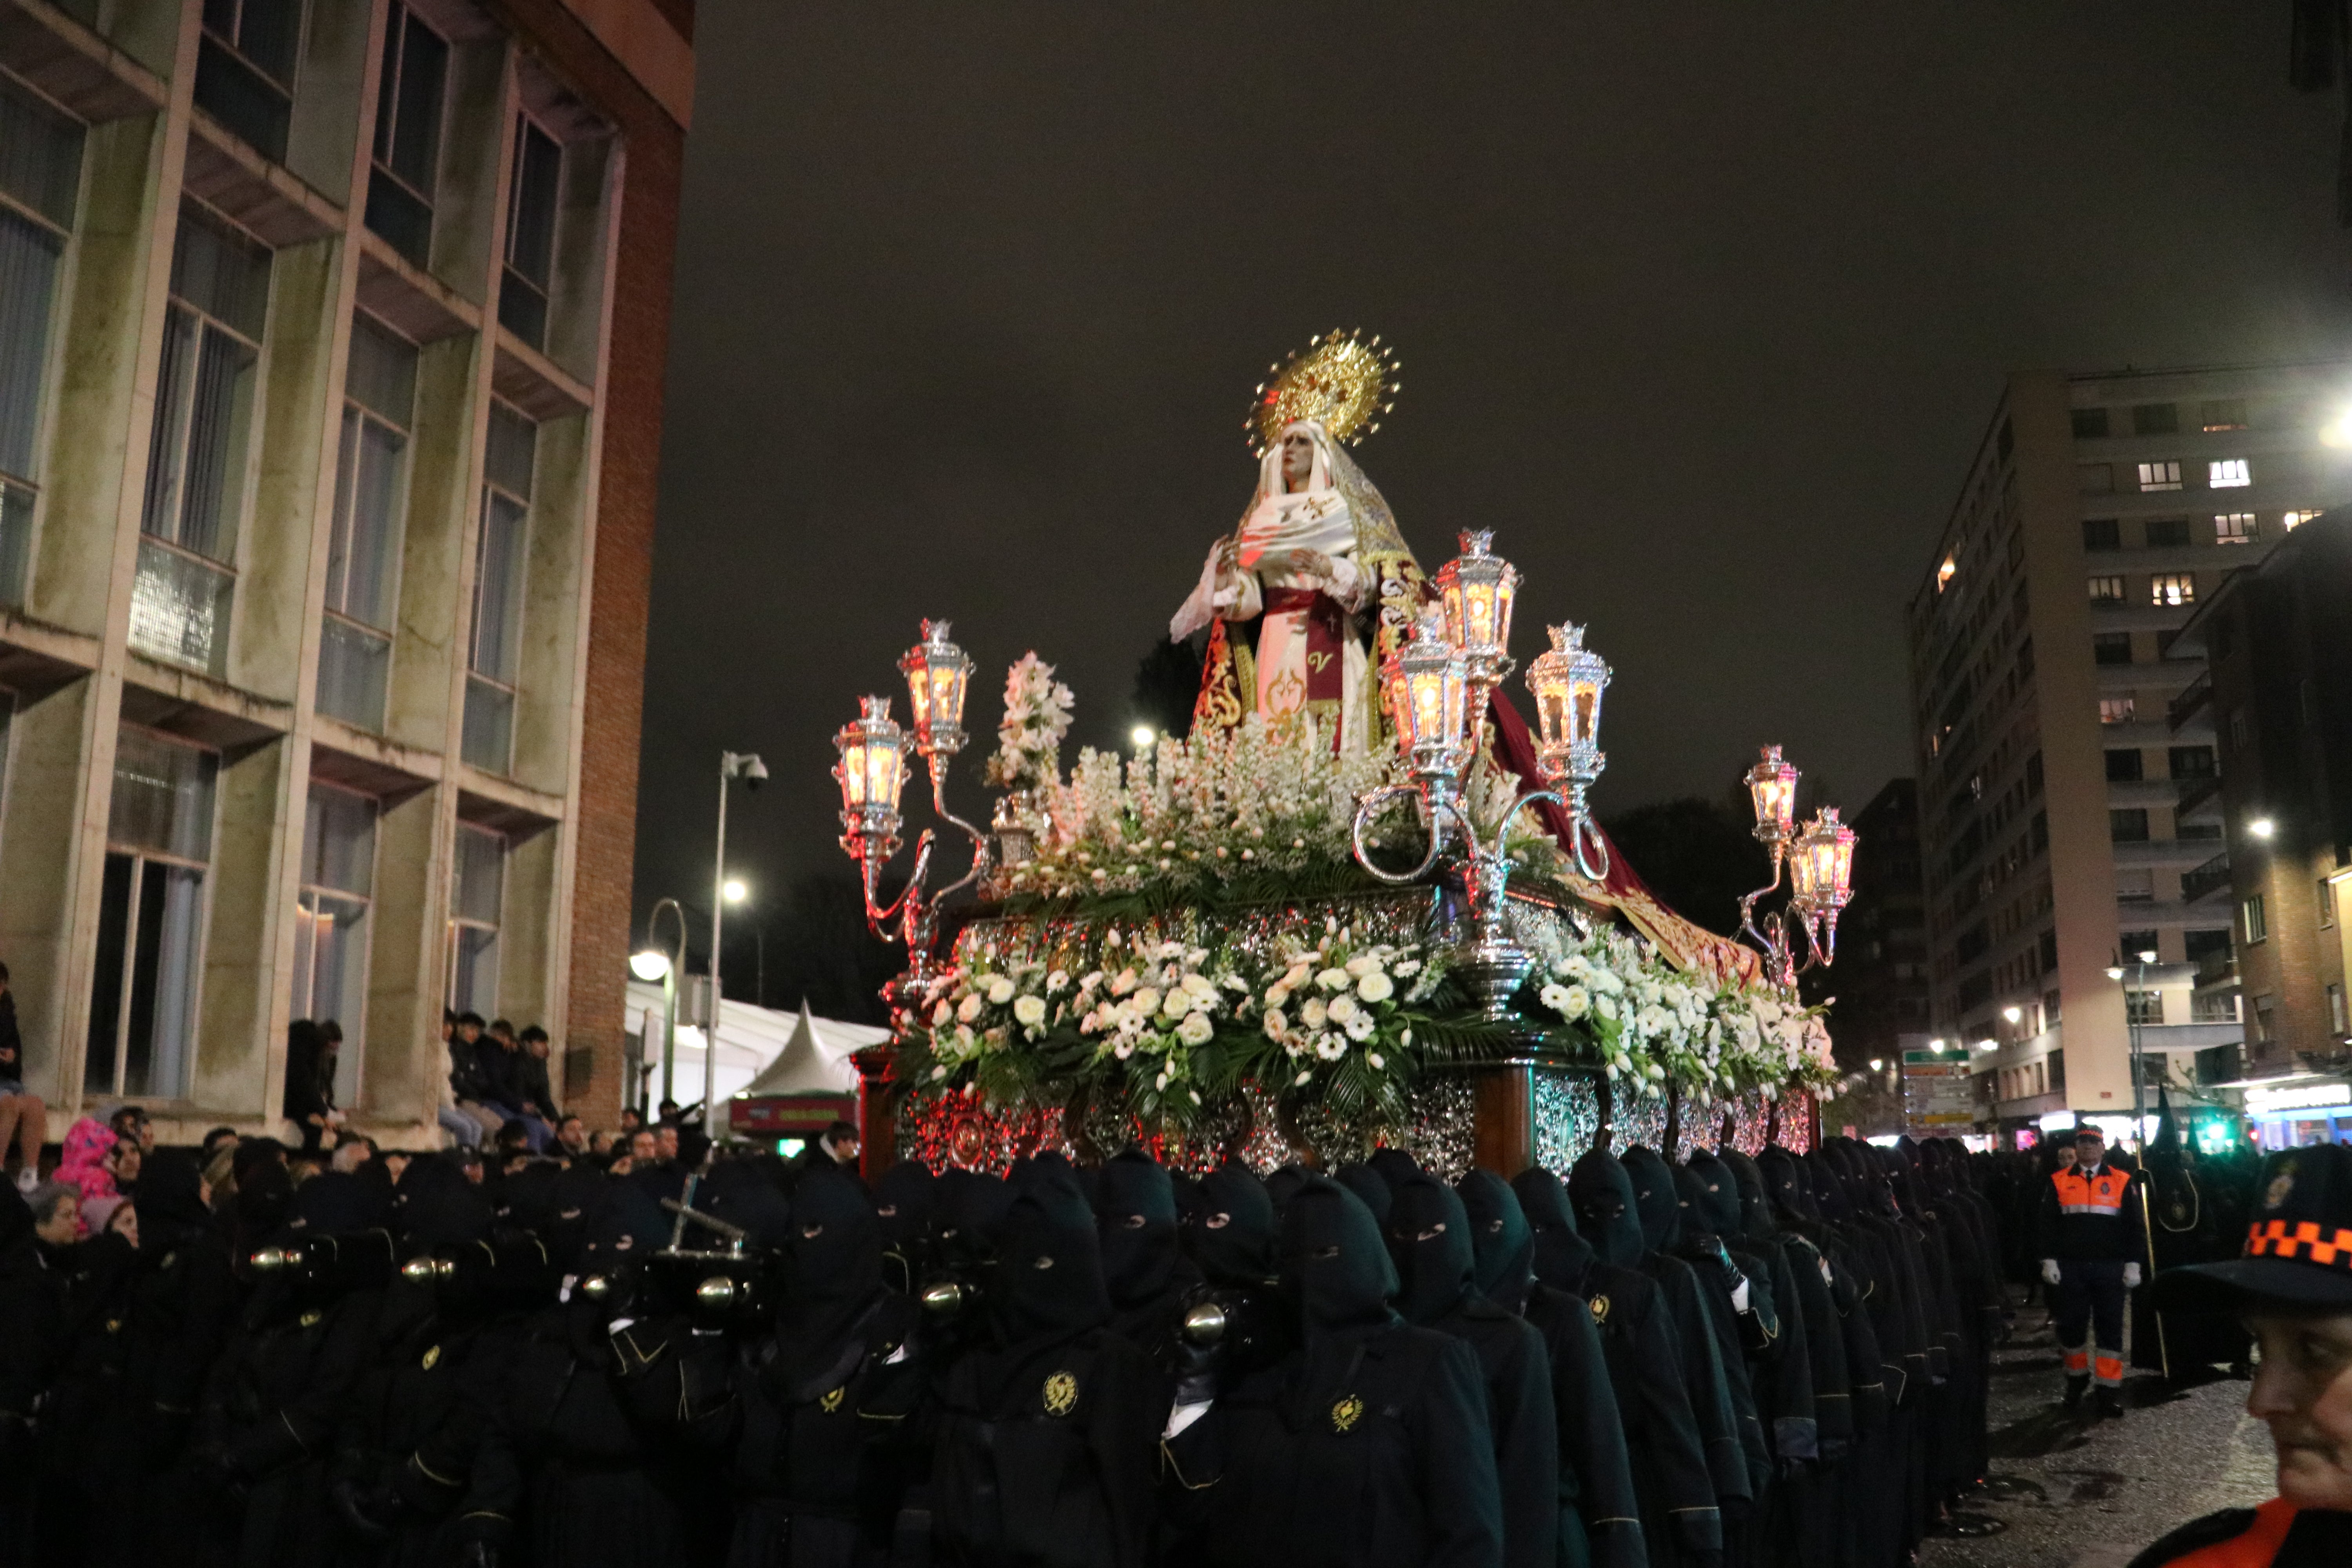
(1334, 1261)
(1429, 1241)
(1502, 1242)
(903, 1200)
(1049, 1275)
(1654, 1198)
(1284, 1184)
(1371, 1187)
(1754, 1203)
(1708, 1186)
(1231, 1228)
(1135, 1213)
(1562, 1255)
(1789, 1185)
(1603, 1196)
(1830, 1199)
(832, 1268)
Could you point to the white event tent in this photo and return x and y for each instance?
(751, 1040)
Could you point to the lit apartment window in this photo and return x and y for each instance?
(2221, 414)
(151, 918)
(206, 419)
(407, 156)
(245, 68)
(530, 234)
(40, 174)
(496, 655)
(2296, 520)
(2257, 928)
(2159, 475)
(2235, 528)
(2114, 710)
(1944, 572)
(2326, 904)
(364, 551)
(2228, 473)
(331, 929)
(2108, 590)
(477, 896)
(2172, 588)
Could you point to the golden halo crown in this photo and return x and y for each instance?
(1343, 381)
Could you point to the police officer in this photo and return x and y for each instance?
(2093, 1237)
(2294, 1290)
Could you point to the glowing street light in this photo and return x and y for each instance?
(2261, 827)
(649, 965)
(1142, 735)
(735, 890)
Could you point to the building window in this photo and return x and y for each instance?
(1944, 572)
(2172, 588)
(2108, 590)
(363, 549)
(530, 234)
(2123, 767)
(331, 921)
(2134, 885)
(2294, 520)
(494, 658)
(2128, 825)
(2235, 528)
(40, 174)
(2090, 424)
(2101, 533)
(245, 68)
(2159, 475)
(408, 157)
(2145, 1007)
(2335, 1023)
(2111, 647)
(2221, 414)
(2241, 732)
(2228, 474)
(204, 435)
(2114, 710)
(2166, 532)
(476, 897)
(2156, 418)
(150, 920)
(2257, 927)
(2133, 943)
(2327, 903)
(2189, 762)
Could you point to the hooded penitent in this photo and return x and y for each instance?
(1429, 1241)
(1049, 1278)
(1656, 1200)
(1334, 1262)
(903, 1201)
(1562, 1252)
(832, 1279)
(1231, 1228)
(1603, 1196)
(1502, 1242)
(1134, 1210)
(1712, 1191)
(1371, 1188)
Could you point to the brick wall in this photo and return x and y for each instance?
(625, 537)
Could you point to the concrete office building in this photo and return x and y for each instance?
(2064, 783)
(332, 336)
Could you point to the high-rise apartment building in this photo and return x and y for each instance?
(1881, 978)
(331, 337)
(2066, 818)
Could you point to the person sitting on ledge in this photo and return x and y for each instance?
(2292, 1289)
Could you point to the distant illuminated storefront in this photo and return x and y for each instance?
(2293, 1113)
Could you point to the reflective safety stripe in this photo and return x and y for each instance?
(2090, 1208)
(2100, 1195)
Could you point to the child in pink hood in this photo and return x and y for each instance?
(87, 1143)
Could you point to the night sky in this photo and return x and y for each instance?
(1703, 309)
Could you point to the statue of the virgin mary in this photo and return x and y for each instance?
(1315, 584)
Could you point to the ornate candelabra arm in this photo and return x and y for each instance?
(1369, 807)
(979, 840)
(879, 918)
(1748, 904)
(1587, 848)
(1820, 939)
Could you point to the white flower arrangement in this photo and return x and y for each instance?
(1036, 718)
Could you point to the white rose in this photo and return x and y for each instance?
(1029, 1010)
(1375, 987)
(965, 1040)
(1312, 1015)
(1197, 984)
(1606, 1007)
(1276, 1024)
(1575, 1002)
(1000, 992)
(1146, 1002)
(1363, 965)
(1176, 1003)
(969, 1008)
(1278, 995)
(1335, 980)
(942, 1015)
(1195, 1030)
(1340, 1009)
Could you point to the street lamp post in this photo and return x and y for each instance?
(2140, 960)
(653, 963)
(732, 765)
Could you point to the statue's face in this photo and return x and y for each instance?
(1298, 460)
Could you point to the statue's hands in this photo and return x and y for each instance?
(1313, 564)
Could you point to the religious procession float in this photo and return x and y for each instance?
(1361, 903)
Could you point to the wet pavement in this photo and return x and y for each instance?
(2071, 1492)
